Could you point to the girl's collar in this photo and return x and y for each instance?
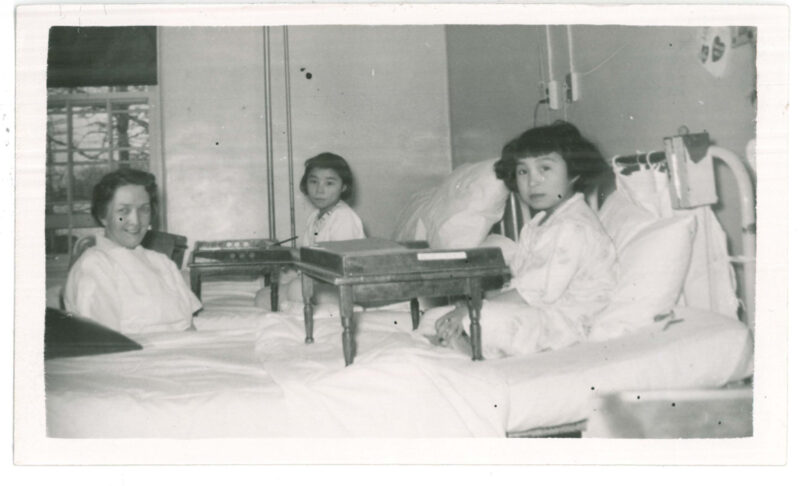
(321, 214)
(542, 218)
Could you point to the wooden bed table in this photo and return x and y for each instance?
(239, 258)
(375, 270)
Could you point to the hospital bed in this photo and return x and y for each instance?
(248, 373)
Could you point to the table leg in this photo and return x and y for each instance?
(194, 280)
(414, 313)
(348, 334)
(474, 304)
(308, 308)
(274, 282)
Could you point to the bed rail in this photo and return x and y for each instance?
(748, 208)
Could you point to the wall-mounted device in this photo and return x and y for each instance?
(572, 89)
(553, 95)
(691, 170)
(572, 83)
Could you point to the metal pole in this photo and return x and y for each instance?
(268, 128)
(70, 180)
(287, 80)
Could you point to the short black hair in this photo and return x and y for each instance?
(327, 160)
(582, 157)
(104, 190)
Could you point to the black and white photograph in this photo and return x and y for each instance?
(475, 234)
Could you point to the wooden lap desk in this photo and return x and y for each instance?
(239, 258)
(374, 270)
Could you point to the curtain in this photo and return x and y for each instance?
(101, 56)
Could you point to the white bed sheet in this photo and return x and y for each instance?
(703, 350)
(247, 373)
(181, 385)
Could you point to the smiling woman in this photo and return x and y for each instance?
(128, 216)
(118, 283)
(123, 202)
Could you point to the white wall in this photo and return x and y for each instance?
(376, 96)
(389, 98)
(494, 72)
(211, 81)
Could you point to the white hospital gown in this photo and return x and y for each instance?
(339, 223)
(565, 269)
(131, 291)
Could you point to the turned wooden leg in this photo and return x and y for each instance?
(348, 331)
(414, 313)
(474, 304)
(194, 280)
(274, 282)
(308, 307)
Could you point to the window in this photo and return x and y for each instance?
(101, 115)
(90, 132)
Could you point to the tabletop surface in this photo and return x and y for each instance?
(238, 252)
(375, 256)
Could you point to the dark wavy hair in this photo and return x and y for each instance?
(327, 160)
(104, 190)
(582, 157)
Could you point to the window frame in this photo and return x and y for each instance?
(71, 221)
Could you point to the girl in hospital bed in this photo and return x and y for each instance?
(117, 282)
(327, 183)
(564, 267)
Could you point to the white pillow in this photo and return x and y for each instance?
(652, 269)
(464, 207)
(508, 247)
(623, 219)
(647, 188)
(409, 225)
(642, 197)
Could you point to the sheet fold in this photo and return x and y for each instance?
(445, 393)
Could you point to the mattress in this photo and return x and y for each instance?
(248, 373)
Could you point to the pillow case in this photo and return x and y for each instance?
(623, 219)
(463, 209)
(508, 247)
(647, 188)
(652, 270)
(711, 281)
(642, 198)
(409, 225)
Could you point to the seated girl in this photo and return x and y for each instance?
(565, 265)
(117, 282)
(327, 182)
